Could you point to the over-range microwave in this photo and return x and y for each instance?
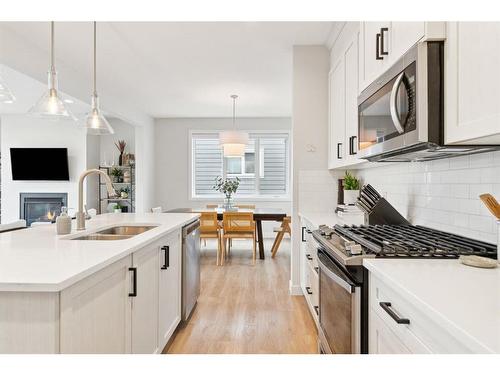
(401, 114)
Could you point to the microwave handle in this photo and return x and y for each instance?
(392, 101)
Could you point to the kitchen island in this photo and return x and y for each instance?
(59, 294)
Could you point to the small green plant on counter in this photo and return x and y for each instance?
(350, 182)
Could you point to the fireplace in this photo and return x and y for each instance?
(44, 207)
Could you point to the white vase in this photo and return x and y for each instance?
(350, 196)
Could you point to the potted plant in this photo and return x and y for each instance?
(228, 187)
(118, 208)
(124, 192)
(121, 148)
(351, 188)
(117, 174)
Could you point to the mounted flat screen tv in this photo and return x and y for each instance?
(42, 164)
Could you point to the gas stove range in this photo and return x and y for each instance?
(349, 245)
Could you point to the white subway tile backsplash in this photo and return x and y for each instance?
(443, 194)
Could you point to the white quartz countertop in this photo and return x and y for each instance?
(463, 300)
(326, 218)
(37, 259)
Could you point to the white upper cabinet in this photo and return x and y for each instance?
(337, 115)
(351, 98)
(374, 43)
(472, 83)
(383, 43)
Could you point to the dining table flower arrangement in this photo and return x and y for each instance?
(228, 187)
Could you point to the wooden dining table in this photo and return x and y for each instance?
(260, 214)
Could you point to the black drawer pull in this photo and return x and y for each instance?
(134, 281)
(308, 231)
(166, 262)
(316, 269)
(303, 234)
(387, 307)
(316, 308)
(309, 257)
(308, 290)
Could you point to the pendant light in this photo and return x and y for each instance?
(6, 96)
(95, 122)
(233, 141)
(50, 104)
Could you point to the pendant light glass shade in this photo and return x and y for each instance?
(6, 95)
(50, 104)
(95, 123)
(233, 142)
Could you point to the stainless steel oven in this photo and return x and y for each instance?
(339, 309)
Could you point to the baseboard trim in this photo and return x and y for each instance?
(295, 290)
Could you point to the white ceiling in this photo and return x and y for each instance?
(170, 69)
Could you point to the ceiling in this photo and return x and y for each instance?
(170, 69)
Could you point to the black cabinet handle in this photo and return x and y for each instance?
(166, 262)
(316, 269)
(354, 150)
(338, 151)
(377, 49)
(308, 290)
(309, 257)
(134, 281)
(387, 307)
(303, 234)
(316, 308)
(382, 49)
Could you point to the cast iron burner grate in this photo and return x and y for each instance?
(414, 241)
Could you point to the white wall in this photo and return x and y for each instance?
(123, 131)
(25, 131)
(145, 167)
(310, 133)
(172, 158)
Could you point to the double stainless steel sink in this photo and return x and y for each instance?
(120, 232)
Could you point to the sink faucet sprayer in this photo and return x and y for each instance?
(80, 215)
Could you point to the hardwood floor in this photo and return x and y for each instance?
(246, 309)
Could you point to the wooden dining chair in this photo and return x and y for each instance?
(247, 206)
(238, 225)
(210, 228)
(281, 231)
(212, 205)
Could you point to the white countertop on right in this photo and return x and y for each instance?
(463, 300)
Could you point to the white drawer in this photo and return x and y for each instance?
(422, 334)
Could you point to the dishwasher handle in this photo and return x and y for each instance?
(189, 228)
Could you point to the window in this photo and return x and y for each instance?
(263, 170)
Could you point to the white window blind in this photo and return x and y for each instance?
(263, 170)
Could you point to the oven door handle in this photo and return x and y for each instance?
(335, 275)
(392, 101)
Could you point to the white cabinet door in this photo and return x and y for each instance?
(169, 309)
(373, 54)
(337, 115)
(145, 301)
(381, 340)
(95, 312)
(351, 98)
(403, 36)
(472, 83)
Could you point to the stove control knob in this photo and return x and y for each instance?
(356, 249)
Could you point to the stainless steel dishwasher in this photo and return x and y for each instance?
(190, 267)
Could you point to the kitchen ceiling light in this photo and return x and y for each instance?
(95, 122)
(6, 95)
(233, 142)
(50, 104)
